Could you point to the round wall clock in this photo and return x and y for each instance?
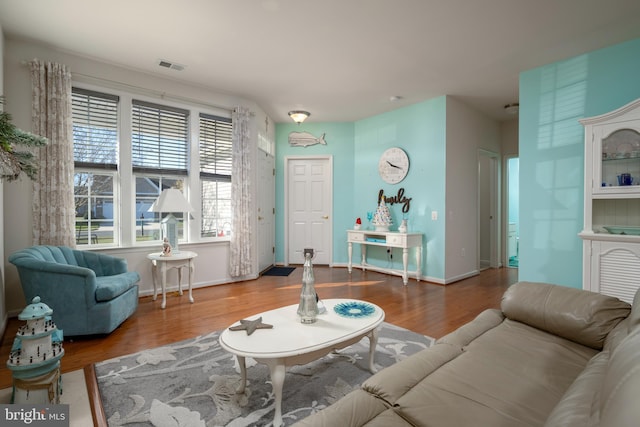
(393, 165)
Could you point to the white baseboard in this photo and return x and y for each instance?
(459, 277)
(185, 286)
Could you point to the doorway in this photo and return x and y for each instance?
(488, 246)
(513, 201)
(308, 208)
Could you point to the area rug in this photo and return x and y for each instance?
(278, 271)
(194, 382)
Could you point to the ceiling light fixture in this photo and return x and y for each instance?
(299, 116)
(512, 108)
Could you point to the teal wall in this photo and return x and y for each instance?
(339, 138)
(420, 130)
(551, 148)
(356, 147)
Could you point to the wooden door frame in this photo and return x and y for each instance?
(288, 159)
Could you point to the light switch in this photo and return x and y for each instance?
(434, 215)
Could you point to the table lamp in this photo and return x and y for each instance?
(170, 200)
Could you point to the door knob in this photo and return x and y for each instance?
(325, 216)
(260, 218)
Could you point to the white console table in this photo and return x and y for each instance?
(387, 239)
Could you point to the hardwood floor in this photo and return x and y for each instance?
(423, 307)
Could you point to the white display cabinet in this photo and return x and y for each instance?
(611, 233)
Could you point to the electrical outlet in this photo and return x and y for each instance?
(434, 215)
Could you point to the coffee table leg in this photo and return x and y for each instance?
(243, 374)
(373, 342)
(277, 369)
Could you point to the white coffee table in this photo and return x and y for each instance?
(292, 343)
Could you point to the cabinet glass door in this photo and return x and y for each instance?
(620, 154)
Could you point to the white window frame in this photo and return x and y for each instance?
(116, 212)
(214, 177)
(126, 194)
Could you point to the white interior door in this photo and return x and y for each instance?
(266, 210)
(308, 203)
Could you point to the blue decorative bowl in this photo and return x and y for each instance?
(354, 309)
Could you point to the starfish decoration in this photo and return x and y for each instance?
(251, 325)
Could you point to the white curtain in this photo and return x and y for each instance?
(240, 259)
(53, 199)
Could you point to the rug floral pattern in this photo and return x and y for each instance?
(193, 383)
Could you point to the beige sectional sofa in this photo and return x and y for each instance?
(552, 356)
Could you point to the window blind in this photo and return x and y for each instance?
(95, 129)
(215, 147)
(159, 138)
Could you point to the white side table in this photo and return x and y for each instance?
(177, 260)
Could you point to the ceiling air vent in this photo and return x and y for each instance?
(170, 65)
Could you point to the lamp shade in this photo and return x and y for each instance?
(171, 200)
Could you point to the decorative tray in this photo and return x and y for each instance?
(627, 229)
(354, 309)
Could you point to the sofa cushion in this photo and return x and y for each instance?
(391, 384)
(575, 407)
(462, 336)
(575, 314)
(389, 418)
(110, 287)
(512, 375)
(355, 409)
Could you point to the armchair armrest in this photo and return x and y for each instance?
(101, 264)
(60, 285)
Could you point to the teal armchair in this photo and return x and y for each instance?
(89, 292)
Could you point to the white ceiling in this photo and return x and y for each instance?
(341, 60)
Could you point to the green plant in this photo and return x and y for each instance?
(13, 162)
